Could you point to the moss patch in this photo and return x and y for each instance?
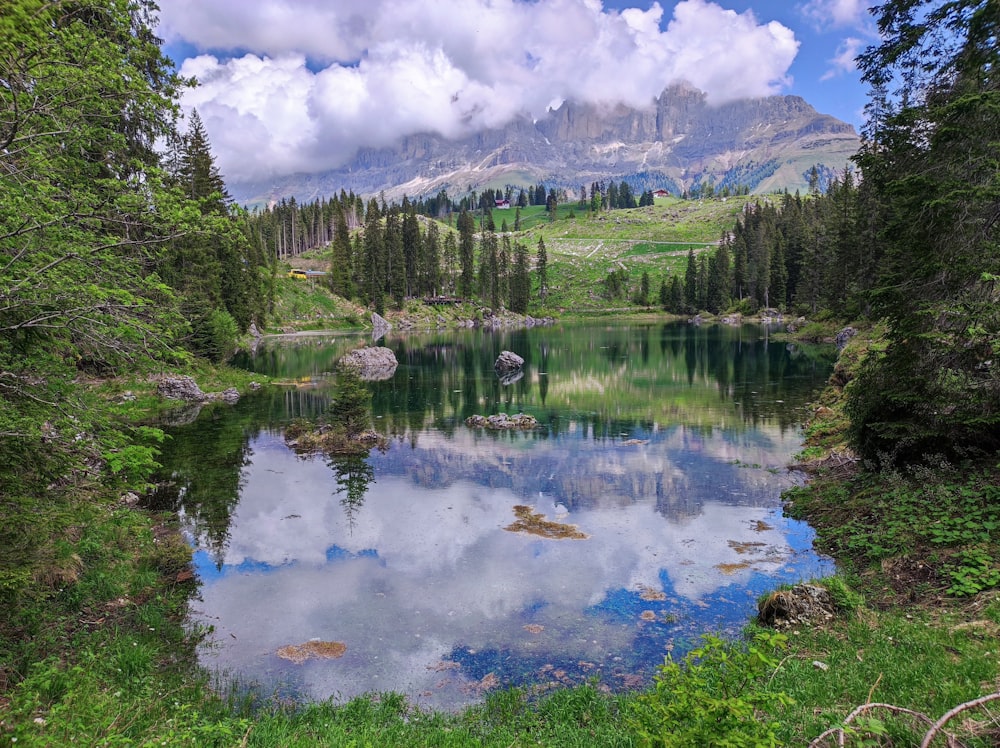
(299, 653)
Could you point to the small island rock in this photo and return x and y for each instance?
(372, 363)
(508, 362)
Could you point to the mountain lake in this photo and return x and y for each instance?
(643, 510)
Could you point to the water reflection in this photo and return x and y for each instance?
(664, 445)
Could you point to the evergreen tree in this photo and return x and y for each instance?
(717, 295)
(503, 273)
(198, 175)
(676, 303)
(642, 298)
(739, 247)
(85, 214)
(520, 282)
(791, 226)
(702, 302)
(430, 282)
(450, 261)
(412, 248)
(691, 282)
(341, 281)
(488, 269)
(375, 262)
(213, 266)
(466, 253)
(542, 269)
(930, 154)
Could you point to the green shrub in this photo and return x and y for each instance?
(718, 695)
(215, 335)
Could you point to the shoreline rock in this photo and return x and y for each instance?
(184, 388)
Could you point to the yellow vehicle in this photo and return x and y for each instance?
(300, 274)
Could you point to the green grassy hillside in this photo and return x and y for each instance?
(583, 248)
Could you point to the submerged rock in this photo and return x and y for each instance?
(299, 653)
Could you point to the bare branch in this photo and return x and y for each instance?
(952, 713)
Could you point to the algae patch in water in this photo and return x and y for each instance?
(745, 546)
(729, 569)
(649, 594)
(535, 524)
(299, 653)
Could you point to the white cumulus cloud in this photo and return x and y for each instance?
(837, 13)
(300, 85)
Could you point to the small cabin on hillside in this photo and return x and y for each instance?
(661, 193)
(502, 204)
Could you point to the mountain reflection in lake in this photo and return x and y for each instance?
(664, 446)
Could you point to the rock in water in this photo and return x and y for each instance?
(380, 326)
(502, 421)
(508, 362)
(372, 363)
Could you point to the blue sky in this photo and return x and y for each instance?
(299, 85)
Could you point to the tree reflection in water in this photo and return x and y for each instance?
(354, 475)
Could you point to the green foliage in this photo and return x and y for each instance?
(947, 522)
(930, 163)
(215, 335)
(616, 284)
(718, 695)
(131, 455)
(351, 406)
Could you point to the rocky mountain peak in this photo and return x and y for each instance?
(679, 140)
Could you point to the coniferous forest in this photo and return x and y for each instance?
(122, 255)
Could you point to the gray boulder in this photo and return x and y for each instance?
(231, 396)
(508, 362)
(844, 336)
(380, 326)
(181, 388)
(502, 422)
(372, 363)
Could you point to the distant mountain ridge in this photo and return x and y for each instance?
(677, 142)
